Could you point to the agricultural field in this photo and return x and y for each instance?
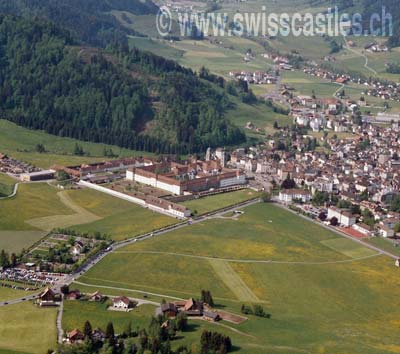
(260, 115)
(223, 57)
(159, 47)
(6, 185)
(28, 329)
(219, 201)
(32, 201)
(20, 143)
(118, 218)
(9, 294)
(16, 241)
(306, 84)
(384, 244)
(353, 59)
(23, 222)
(77, 312)
(324, 293)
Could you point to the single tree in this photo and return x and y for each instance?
(64, 289)
(334, 221)
(87, 330)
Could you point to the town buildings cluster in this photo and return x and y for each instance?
(254, 77)
(361, 169)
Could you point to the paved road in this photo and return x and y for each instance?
(92, 262)
(13, 194)
(60, 331)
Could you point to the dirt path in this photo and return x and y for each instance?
(360, 55)
(233, 281)
(124, 289)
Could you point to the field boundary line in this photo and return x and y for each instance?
(233, 281)
(125, 289)
(255, 261)
(225, 326)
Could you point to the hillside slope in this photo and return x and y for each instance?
(124, 97)
(89, 20)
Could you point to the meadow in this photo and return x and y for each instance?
(219, 201)
(118, 218)
(6, 185)
(31, 202)
(38, 208)
(8, 293)
(77, 312)
(326, 294)
(21, 143)
(28, 329)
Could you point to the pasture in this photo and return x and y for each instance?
(9, 293)
(325, 293)
(15, 241)
(38, 208)
(20, 143)
(77, 312)
(28, 329)
(118, 218)
(156, 46)
(31, 202)
(6, 185)
(219, 201)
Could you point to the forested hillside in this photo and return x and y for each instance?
(89, 20)
(123, 97)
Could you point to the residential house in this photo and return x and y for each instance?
(75, 336)
(122, 302)
(96, 296)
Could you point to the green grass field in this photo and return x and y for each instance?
(26, 328)
(219, 201)
(325, 294)
(39, 208)
(384, 244)
(77, 312)
(15, 241)
(21, 143)
(32, 201)
(9, 294)
(6, 185)
(159, 47)
(118, 218)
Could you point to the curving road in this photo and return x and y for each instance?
(13, 194)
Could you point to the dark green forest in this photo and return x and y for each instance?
(89, 20)
(121, 96)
